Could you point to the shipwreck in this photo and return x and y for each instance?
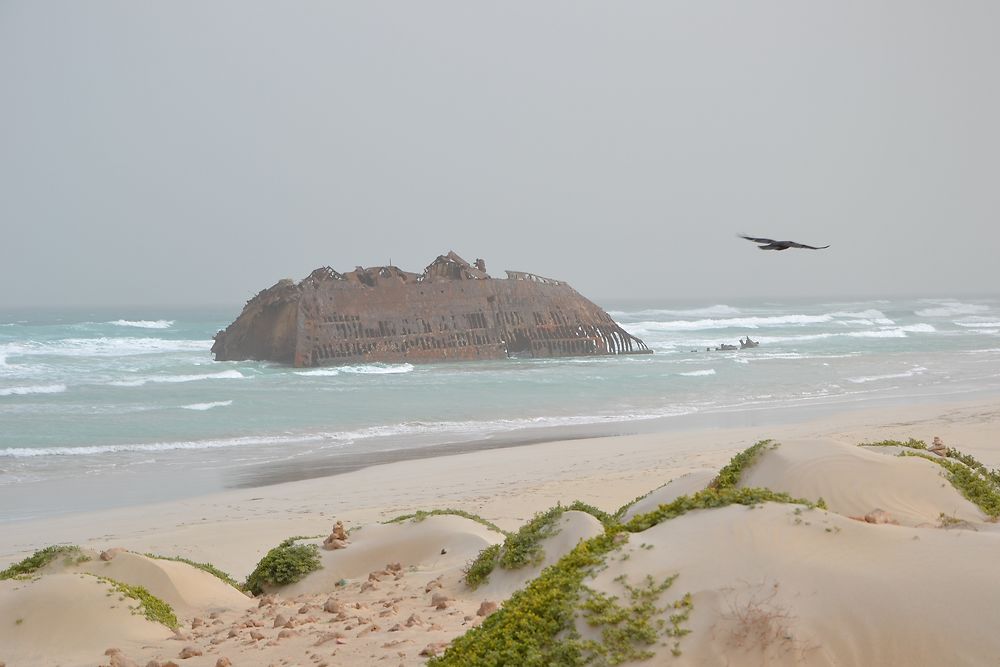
(452, 311)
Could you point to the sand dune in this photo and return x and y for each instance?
(437, 544)
(780, 587)
(777, 584)
(685, 485)
(854, 481)
(68, 619)
(571, 527)
(187, 589)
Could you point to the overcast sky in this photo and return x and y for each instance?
(196, 152)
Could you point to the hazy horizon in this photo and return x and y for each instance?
(192, 154)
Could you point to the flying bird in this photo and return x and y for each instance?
(771, 244)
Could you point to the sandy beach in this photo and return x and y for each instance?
(830, 570)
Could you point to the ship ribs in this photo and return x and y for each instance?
(451, 311)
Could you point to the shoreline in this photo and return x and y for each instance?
(158, 483)
(500, 482)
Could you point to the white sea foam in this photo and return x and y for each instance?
(920, 327)
(870, 316)
(706, 371)
(916, 370)
(978, 324)
(102, 347)
(319, 372)
(36, 389)
(951, 309)
(729, 323)
(207, 406)
(143, 324)
(709, 311)
(138, 382)
(458, 428)
(377, 369)
(883, 333)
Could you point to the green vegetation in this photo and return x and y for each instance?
(910, 444)
(41, 558)
(628, 631)
(207, 567)
(150, 606)
(524, 547)
(971, 478)
(284, 564)
(420, 515)
(976, 487)
(710, 499)
(730, 475)
(536, 626)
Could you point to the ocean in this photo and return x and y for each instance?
(105, 408)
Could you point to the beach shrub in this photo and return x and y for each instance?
(41, 558)
(730, 475)
(627, 632)
(536, 626)
(420, 515)
(970, 477)
(206, 567)
(152, 607)
(977, 487)
(284, 564)
(910, 444)
(524, 547)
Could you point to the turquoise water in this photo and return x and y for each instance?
(104, 397)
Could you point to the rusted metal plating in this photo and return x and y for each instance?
(452, 311)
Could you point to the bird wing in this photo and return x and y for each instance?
(793, 244)
(757, 240)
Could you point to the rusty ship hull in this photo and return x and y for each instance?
(452, 311)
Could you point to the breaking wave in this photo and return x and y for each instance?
(36, 389)
(362, 369)
(143, 324)
(951, 309)
(103, 347)
(731, 323)
(916, 370)
(707, 371)
(709, 311)
(223, 375)
(207, 406)
(978, 325)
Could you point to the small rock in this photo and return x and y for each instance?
(440, 601)
(112, 651)
(340, 640)
(280, 621)
(256, 635)
(304, 609)
(197, 623)
(151, 663)
(120, 660)
(394, 567)
(223, 662)
(189, 652)
(266, 601)
(414, 620)
(333, 606)
(337, 539)
(368, 585)
(286, 633)
(234, 633)
(879, 516)
(434, 648)
(486, 608)
(938, 447)
(432, 584)
(444, 551)
(109, 554)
